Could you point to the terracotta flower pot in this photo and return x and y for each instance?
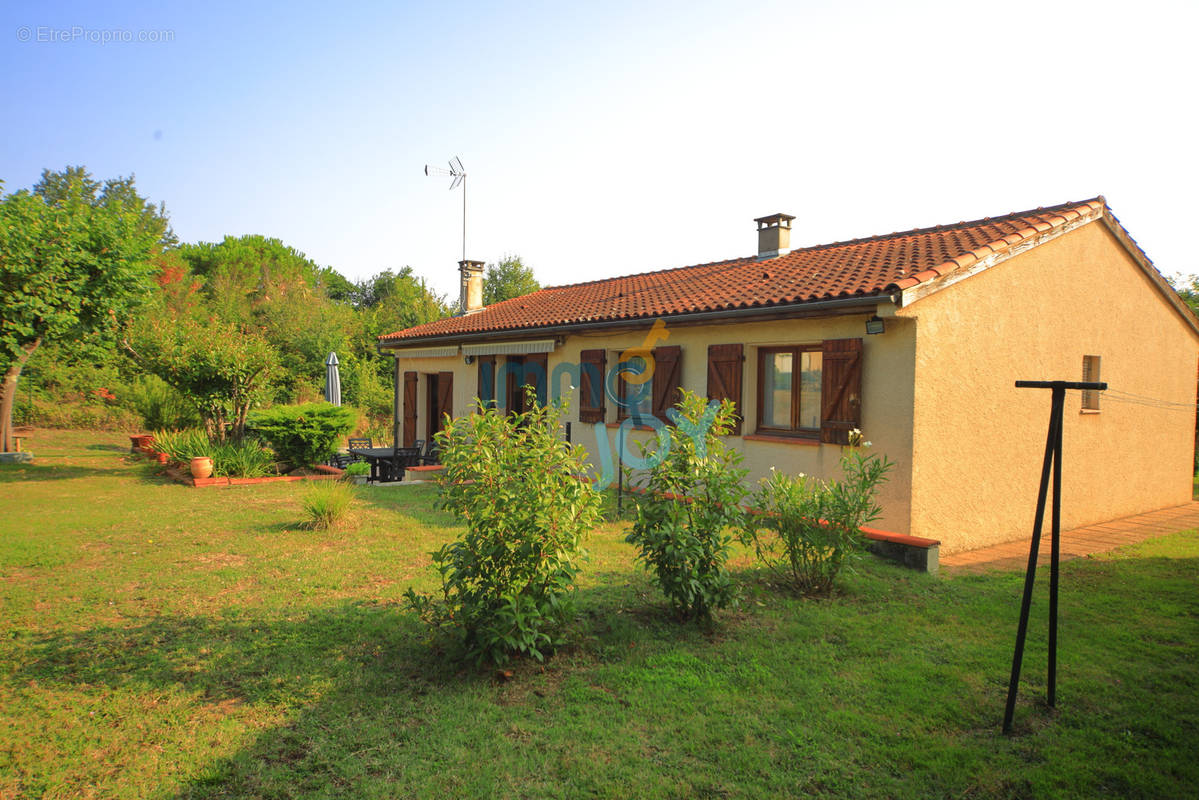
(161, 458)
(201, 467)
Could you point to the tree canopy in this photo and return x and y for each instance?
(506, 279)
(74, 257)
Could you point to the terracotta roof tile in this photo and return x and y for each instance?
(857, 268)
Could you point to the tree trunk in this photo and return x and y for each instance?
(8, 395)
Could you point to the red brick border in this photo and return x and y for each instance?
(178, 475)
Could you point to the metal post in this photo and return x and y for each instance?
(1031, 573)
(1059, 398)
(1053, 458)
(620, 472)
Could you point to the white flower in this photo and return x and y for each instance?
(867, 444)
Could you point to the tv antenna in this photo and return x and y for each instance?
(458, 173)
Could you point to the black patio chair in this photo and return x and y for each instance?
(431, 455)
(392, 469)
(343, 460)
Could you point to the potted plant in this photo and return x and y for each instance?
(357, 472)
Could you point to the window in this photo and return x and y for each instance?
(790, 381)
(1090, 374)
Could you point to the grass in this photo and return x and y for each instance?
(327, 503)
(166, 642)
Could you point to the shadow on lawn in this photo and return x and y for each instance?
(107, 448)
(361, 677)
(15, 473)
(369, 694)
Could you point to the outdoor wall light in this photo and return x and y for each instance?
(469, 360)
(874, 325)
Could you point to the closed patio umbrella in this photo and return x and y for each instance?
(332, 380)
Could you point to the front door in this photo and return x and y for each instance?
(432, 418)
(439, 399)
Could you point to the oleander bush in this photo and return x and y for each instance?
(806, 530)
(690, 500)
(507, 583)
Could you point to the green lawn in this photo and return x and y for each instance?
(166, 642)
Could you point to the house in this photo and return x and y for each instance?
(917, 338)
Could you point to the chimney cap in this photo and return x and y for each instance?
(771, 220)
(470, 264)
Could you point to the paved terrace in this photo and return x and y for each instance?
(1078, 542)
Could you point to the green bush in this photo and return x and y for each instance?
(327, 503)
(304, 435)
(247, 458)
(690, 500)
(805, 530)
(358, 468)
(507, 583)
(160, 405)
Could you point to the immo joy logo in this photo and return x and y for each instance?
(629, 385)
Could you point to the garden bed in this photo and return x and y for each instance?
(180, 474)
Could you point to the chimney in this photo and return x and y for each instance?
(471, 295)
(774, 235)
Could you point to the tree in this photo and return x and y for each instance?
(506, 279)
(222, 368)
(74, 257)
(398, 300)
(1187, 287)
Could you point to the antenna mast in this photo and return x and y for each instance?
(458, 173)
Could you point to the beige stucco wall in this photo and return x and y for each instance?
(887, 394)
(979, 441)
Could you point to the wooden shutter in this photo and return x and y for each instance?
(841, 390)
(409, 409)
(445, 396)
(537, 374)
(724, 376)
(591, 385)
(486, 384)
(668, 363)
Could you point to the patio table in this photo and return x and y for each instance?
(386, 461)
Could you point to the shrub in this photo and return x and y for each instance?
(358, 468)
(805, 530)
(507, 582)
(306, 434)
(327, 503)
(690, 499)
(247, 458)
(160, 405)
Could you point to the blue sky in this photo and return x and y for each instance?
(609, 138)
